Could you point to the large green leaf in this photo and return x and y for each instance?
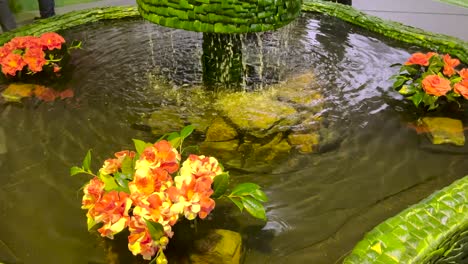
(260, 196)
(400, 80)
(127, 167)
(408, 89)
(244, 189)
(87, 161)
(186, 131)
(237, 201)
(140, 145)
(220, 185)
(156, 230)
(109, 183)
(76, 170)
(254, 207)
(417, 98)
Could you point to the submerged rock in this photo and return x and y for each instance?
(257, 113)
(218, 247)
(165, 120)
(443, 130)
(306, 143)
(219, 130)
(224, 150)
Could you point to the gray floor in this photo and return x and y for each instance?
(426, 14)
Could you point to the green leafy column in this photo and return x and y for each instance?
(432, 231)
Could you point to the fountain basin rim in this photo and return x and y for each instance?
(436, 42)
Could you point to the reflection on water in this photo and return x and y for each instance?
(320, 204)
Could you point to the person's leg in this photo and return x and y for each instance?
(7, 20)
(47, 8)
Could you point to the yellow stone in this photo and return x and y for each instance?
(304, 142)
(218, 247)
(443, 130)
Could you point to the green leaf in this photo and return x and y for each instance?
(408, 89)
(417, 98)
(396, 64)
(254, 207)
(156, 230)
(244, 189)
(400, 80)
(260, 196)
(429, 100)
(172, 136)
(91, 223)
(411, 69)
(127, 166)
(186, 131)
(109, 183)
(122, 180)
(175, 142)
(237, 201)
(76, 170)
(455, 79)
(87, 161)
(220, 185)
(140, 145)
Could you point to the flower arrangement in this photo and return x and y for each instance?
(149, 190)
(431, 78)
(29, 55)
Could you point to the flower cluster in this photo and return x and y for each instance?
(32, 54)
(429, 78)
(148, 191)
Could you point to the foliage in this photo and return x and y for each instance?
(430, 79)
(25, 56)
(150, 189)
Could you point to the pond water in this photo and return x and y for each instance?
(320, 204)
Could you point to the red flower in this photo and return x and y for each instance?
(435, 85)
(12, 63)
(35, 58)
(52, 40)
(449, 65)
(93, 192)
(419, 58)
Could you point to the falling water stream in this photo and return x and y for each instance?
(320, 204)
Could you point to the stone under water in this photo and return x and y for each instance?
(443, 130)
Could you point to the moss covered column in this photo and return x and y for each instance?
(222, 60)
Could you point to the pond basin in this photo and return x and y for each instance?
(320, 203)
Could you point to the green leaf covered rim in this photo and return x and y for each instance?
(436, 42)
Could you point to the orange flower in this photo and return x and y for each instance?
(464, 73)
(25, 42)
(139, 240)
(113, 165)
(93, 192)
(435, 85)
(160, 155)
(112, 209)
(449, 65)
(461, 88)
(35, 58)
(200, 166)
(419, 58)
(52, 40)
(12, 63)
(149, 181)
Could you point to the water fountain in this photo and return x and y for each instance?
(323, 200)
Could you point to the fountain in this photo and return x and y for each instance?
(337, 159)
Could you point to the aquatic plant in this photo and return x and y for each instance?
(431, 79)
(28, 55)
(149, 190)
